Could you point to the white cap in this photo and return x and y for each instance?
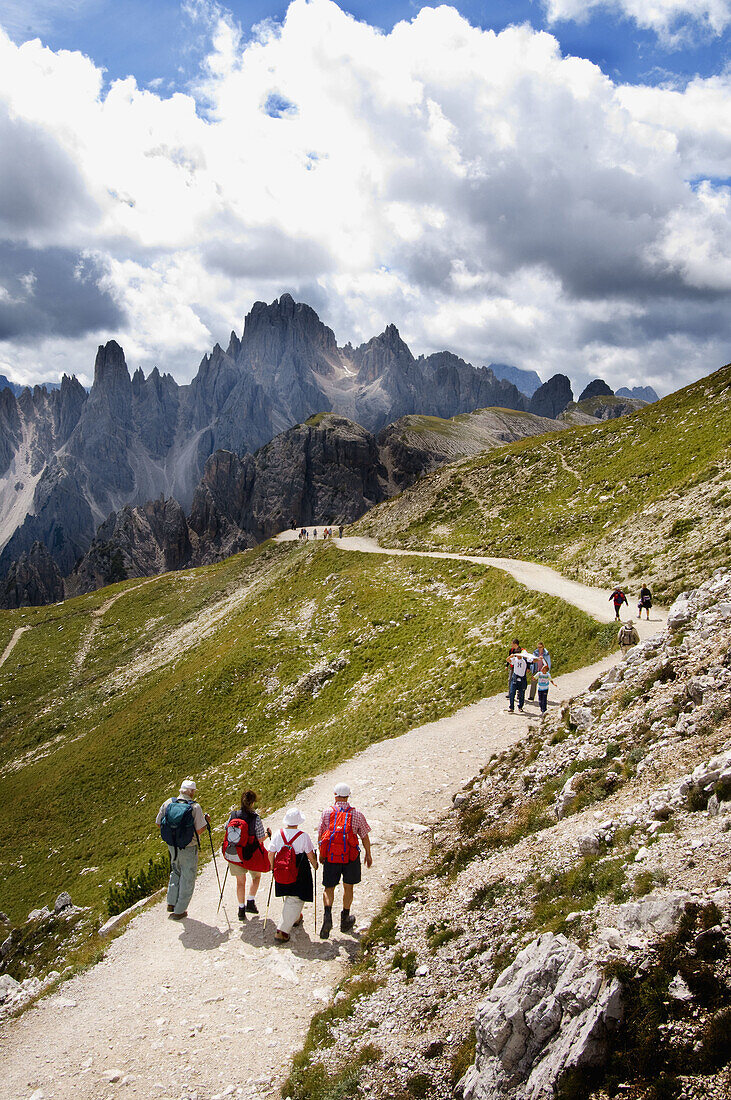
(342, 790)
(188, 785)
(293, 817)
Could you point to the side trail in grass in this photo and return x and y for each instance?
(212, 1007)
(12, 644)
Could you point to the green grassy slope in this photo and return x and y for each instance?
(264, 669)
(647, 496)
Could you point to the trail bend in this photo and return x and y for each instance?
(212, 1007)
(540, 578)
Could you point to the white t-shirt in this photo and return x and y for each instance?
(303, 843)
(519, 664)
(199, 821)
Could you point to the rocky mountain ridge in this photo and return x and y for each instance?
(68, 459)
(571, 933)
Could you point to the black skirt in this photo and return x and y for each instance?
(302, 887)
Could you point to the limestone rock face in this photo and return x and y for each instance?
(32, 580)
(596, 388)
(552, 397)
(552, 1010)
(135, 542)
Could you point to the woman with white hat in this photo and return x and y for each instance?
(292, 844)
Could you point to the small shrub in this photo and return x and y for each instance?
(722, 790)
(681, 527)
(463, 1057)
(135, 887)
(441, 935)
(419, 1084)
(697, 799)
(406, 961)
(715, 1041)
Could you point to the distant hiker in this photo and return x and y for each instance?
(518, 679)
(293, 525)
(515, 647)
(618, 598)
(645, 601)
(340, 828)
(182, 821)
(627, 637)
(542, 657)
(314, 532)
(542, 680)
(243, 849)
(341, 529)
(291, 853)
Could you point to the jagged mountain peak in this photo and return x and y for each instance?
(110, 368)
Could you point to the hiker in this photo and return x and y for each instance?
(542, 657)
(341, 529)
(515, 647)
(340, 827)
(181, 820)
(618, 598)
(243, 849)
(627, 637)
(645, 601)
(541, 679)
(292, 525)
(314, 532)
(291, 853)
(518, 679)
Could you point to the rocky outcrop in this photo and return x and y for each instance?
(596, 388)
(34, 579)
(552, 397)
(550, 1012)
(601, 407)
(135, 542)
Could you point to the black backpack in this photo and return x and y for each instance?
(176, 827)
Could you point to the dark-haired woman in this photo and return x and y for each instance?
(252, 857)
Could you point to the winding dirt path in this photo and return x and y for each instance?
(211, 1007)
(96, 617)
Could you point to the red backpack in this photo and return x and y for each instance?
(285, 862)
(240, 847)
(339, 843)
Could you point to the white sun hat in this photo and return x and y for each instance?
(188, 785)
(342, 790)
(293, 818)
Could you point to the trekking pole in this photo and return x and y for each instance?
(269, 898)
(213, 852)
(222, 889)
(315, 896)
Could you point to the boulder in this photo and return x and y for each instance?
(63, 901)
(657, 913)
(552, 1010)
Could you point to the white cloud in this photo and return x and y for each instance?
(667, 18)
(478, 189)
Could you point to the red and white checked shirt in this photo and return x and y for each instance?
(360, 825)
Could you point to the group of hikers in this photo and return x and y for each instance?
(327, 532)
(520, 665)
(290, 856)
(628, 635)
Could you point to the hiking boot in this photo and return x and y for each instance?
(178, 916)
(251, 906)
(281, 937)
(511, 710)
(242, 912)
(299, 920)
(171, 908)
(347, 922)
(326, 926)
(520, 710)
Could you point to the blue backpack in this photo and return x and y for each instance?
(176, 827)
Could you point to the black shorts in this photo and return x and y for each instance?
(350, 872)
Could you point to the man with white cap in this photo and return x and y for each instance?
(181, 821)
(340, 828)
(291, 840)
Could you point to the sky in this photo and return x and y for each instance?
(545, 183)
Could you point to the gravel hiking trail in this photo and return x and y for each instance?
(209, 1007)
